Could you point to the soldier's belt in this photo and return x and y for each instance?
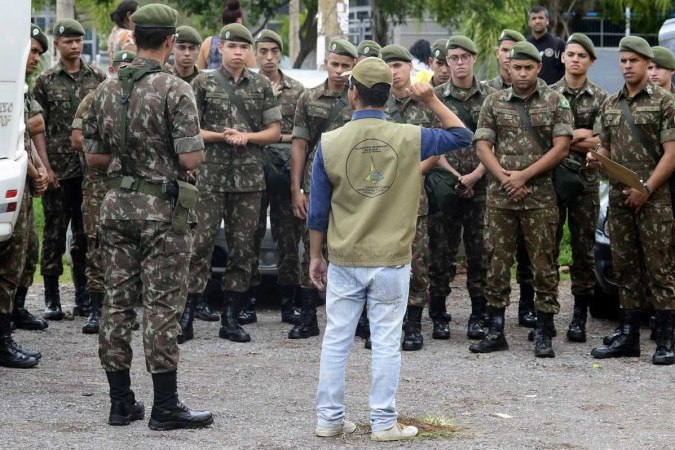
(162, 190)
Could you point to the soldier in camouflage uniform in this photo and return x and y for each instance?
(662, 68)
(462, 217)
(59, 90)
(185, 52)
(438, 63)
(231, 180)
(12, 250)
(403, 108)
(506, 40)
(320, 109)
(94, 188)
(640, 221)
(286, 228)
(145, 217)
(521, 193)
(585, 99)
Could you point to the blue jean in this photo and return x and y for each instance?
(385, 289)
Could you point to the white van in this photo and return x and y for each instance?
(15, 26)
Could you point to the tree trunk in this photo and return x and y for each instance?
(294, 29)
(380, 27)
(307, 33)
(65, 9)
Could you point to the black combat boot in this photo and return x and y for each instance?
(289, 314)
(229, 328)
(476, 326)
(96, 303)
(664, 355)
(653, 326)
(123, 405)
(21, 317)
(577, 329)
(185, 322)
(412, 329)
(527, 317)
(363, 326)
(543, 343)
(439, 317)
(52, 298)
(168, 413)
(81, 308)
(203, 311)
(247, 313)
(607, 340)
(308, 325)
(11, 355)
(628, 342)
(495, 340)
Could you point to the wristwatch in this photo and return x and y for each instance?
(647, 188)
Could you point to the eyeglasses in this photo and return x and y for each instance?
(454, 58)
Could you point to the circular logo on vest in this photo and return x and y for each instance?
(549, 52)
(371, 167)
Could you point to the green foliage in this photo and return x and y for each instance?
(565, 258)
(646, 15)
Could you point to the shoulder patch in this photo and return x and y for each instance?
(564, 104)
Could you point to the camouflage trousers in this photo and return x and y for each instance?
(538, 227)
(286, 233)
(240, 212)
(93, 193)
(32, 251)
(13, 256)
(641, 246)
(418, 294)
(150, 258)
(582, 217)
(61, 207)
(461, 220)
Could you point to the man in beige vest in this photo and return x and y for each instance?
(365, 192)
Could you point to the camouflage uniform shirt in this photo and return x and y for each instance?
(31, 108)
(152, 153)
(497, 83)
(95, 179)
(291, 90)
(228, 168)
(499, 124)
(59, 93)
(189, 78)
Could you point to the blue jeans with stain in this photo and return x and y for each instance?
(385, 289)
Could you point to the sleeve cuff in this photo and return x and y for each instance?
(484, 134)
(77, 123)
(188, 144)
(562, 129)
(271, 115)
(93, 146)
(301, 132)
(668, 135)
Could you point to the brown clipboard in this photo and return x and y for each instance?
(620, 173)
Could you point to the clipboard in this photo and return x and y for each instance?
(620, 173)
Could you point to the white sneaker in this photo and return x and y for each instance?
(398, 432)
(347, 427)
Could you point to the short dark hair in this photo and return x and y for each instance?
(150, 38)
(538, 9)
(231, 12)
(421, 50)
(375, 96)
(119, 15)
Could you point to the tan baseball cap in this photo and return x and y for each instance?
(371, 71)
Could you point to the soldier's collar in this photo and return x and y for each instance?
(61, 68)
(586, 88)
(284, 80)
(648, 89)
(324, 92)
(245, 74)
(450, 88)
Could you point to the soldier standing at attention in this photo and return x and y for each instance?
(185, 52)
(286, 228)
(438, 63)
(506, 40)
(550, 47)
(368, 48)
(320, 109)
(238, 115)
(94, 188)
(521, 193)
(585, 99)
(142, 126)
(638, 131)
(403, 108)
(462, 217)
(59, 91)
(662, 68)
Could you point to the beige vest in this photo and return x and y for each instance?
(374, 167)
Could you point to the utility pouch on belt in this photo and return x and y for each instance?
(441, 186)
(185, 200)
(276, 163)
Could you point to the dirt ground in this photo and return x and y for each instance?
(262, 393)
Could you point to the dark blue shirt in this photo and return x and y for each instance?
(435, 141)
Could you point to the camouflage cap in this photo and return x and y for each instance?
(37, 34)
(637, 45)
(123, 56)
(270, 36)
(395, 52)
(368, 48)
(68, 28)
(663, 57)
(236, 32)
(510, 35)
(463, 42)
(155, 15)
(524, 50)
(438, 49)
(584, 41)
(371, 71)
(342, 47)
(188, 35)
